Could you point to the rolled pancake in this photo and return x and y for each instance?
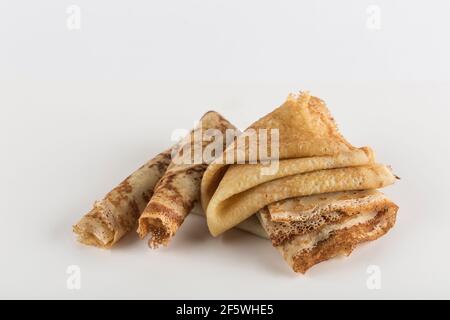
(335, 229)
(117, 213)
(179, 188)
(313, 158)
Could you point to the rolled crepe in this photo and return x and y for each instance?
(179, 188)
(314, 158)
(117, 213)
(317, 228)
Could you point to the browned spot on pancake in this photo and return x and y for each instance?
(197, 169)
(282, 232)
(344, 241)
(162, 162)
(146, 196)
(127, 220)
(177, 199)
(120, 193)
(104, 217)
(163, 210)
(175, 196)
(134, 208)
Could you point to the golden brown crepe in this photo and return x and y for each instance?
(310, 208)
(241, 206)
(314, 158)
(320, 229)
(179, 188)
(251, 225)
(306, 129)
(320, 202)
(117, 213)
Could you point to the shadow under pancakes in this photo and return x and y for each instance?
(252, 249)
(192, 233)
(128, 240)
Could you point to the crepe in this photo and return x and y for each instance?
(117, 213)
(239, 206)
(320, 229)
(321, 199)
(306, 129)
(251, 225)
(310, 208)
(314, 158)
(179, 188)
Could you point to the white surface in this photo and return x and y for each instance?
(80, 110)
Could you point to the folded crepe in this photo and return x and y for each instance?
(117, 213)
(313, 158)
(311, 229)
(251, 225)
(179, 188)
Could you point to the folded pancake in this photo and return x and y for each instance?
(314, 158)
(311, 207)
(306, 129)
(117, 213)
(316, 229)
(234, 207)
(251, 225)
(179, 188)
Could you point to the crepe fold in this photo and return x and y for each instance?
(305, 128)
(314, 158)
(325, 226)
(117, 213)
(231, 211)
(179, 188)
(251, 225)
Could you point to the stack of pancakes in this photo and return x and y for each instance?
(321, 202)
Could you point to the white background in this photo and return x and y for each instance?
(81, 109)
